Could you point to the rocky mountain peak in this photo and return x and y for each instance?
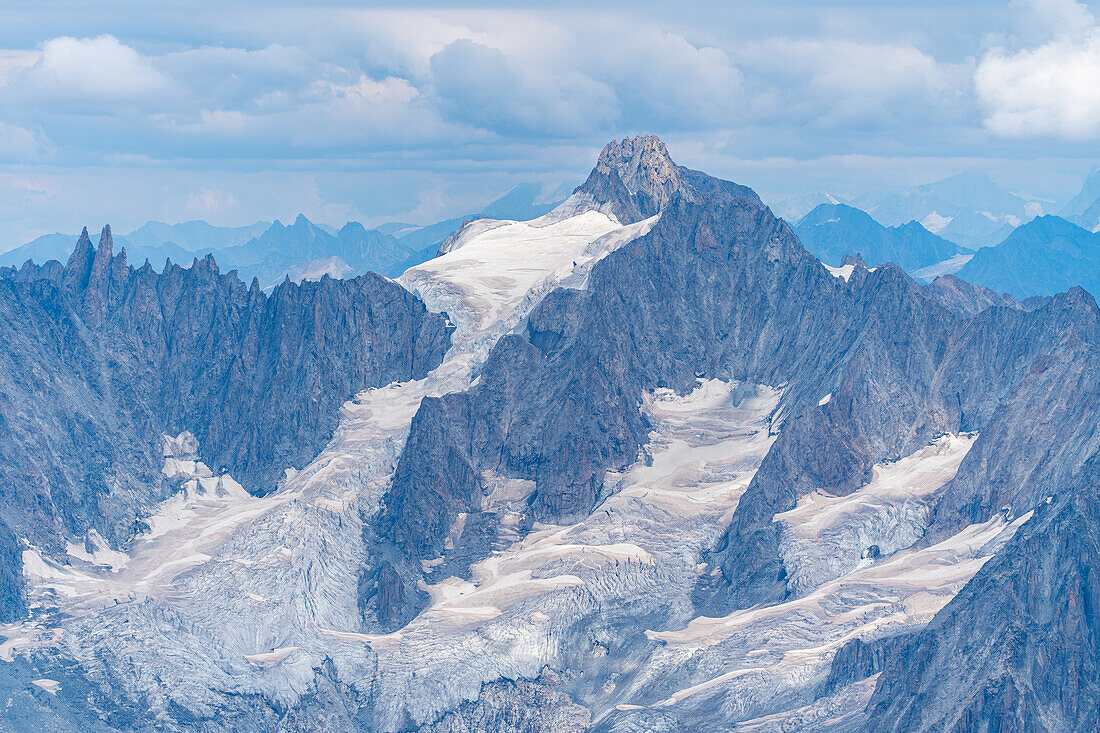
(643, 165)
(634, 179)
(106, 241)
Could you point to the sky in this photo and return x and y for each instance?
(236, 112)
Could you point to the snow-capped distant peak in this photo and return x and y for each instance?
(935, 223)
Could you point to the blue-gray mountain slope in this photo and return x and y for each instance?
(1045, 256)
(832, 231)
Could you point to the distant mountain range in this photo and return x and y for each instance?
(832, 231)
(1084, 208)
(1045, 256)
(793, 208)
(968, 208)
(304, 250)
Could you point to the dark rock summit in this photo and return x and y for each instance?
(635, 178)
(101, 359)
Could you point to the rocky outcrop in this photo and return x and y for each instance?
(962, 297)
(13, 598)
(635, 178)
(102, 359)
(858, 659)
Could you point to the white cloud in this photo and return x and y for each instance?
(14, 61)
(18, 143)
(662, 79)
(843, 83)
(93, 68)
(1051, 90)
(485, 87)
(362, 114)
(1057, 18)
(207, 201)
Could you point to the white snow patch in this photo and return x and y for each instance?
(25, 635)
(50, 686)
(843, 272)
(267, 660)
(96, 551)
(944, 267)
(935, 223)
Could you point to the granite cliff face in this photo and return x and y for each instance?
(101, 360)
(1017, 648)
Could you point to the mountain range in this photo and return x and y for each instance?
(832, 231)
(968, 209)
(1045, 256)
(302, 250)
(1084, 208)
(643, 463)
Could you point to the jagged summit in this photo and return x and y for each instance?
(644, 166)
(635, 178)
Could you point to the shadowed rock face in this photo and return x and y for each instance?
(1016, 650)
(100, 360)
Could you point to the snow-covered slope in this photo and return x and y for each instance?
(284, 568)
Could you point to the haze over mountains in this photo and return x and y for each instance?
(968, 209)
(832, 231)
(643, 463)
(302, 250)
(925, 230)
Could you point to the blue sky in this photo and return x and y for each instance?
(236, 112)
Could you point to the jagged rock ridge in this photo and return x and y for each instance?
(101, 359)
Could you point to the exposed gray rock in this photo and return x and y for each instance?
(100, 360)
(858, 659)
(962, 297)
